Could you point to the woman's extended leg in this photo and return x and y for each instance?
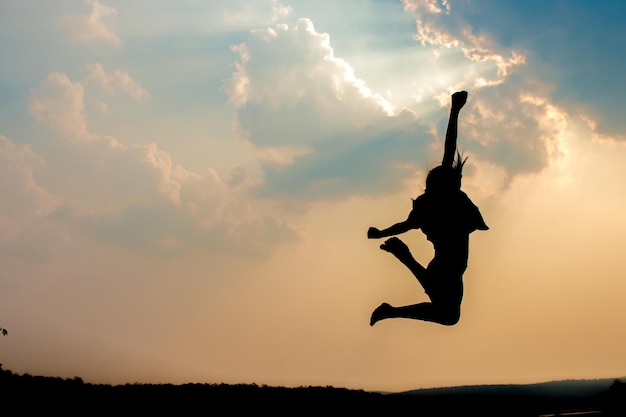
(446, 314)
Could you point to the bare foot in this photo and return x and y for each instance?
(381, 312)
(397, 247)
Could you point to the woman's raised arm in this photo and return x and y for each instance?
(458, 101)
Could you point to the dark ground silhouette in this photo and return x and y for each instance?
(447, 217)
(27, 395)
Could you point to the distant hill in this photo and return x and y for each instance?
(27, 394)
(570, 387)
(573, 397)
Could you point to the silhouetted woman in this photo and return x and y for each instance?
(446, 216)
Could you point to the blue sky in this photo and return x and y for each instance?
(208, 170)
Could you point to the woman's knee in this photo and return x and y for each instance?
(450, 315)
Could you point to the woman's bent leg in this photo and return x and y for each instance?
(401, 251)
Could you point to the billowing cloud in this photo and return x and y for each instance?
(336, 136)
(94, 26)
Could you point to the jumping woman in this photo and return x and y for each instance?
(446, 216)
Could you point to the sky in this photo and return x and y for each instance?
(187, 186)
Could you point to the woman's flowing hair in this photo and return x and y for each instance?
(458, 164)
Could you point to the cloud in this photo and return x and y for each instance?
(28, 232)
(118, 80)
(322, 133)
(428, 6)
(511, 125)
(516, 127)
(59, 103)
(279, 10)
(93, 27)
(329, 135)
(23, 201)
(181, 211)
(441, 25)
(135, 194)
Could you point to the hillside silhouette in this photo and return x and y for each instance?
(37, 394)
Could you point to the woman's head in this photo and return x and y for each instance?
(445, 178)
